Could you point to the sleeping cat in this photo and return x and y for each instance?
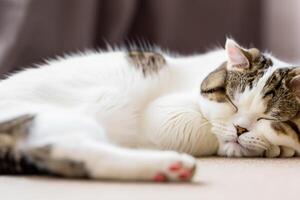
(113, 115)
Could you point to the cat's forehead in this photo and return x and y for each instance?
(248, 85)
(270, 95)
(251, 79)
(251, 90)
(266, 78)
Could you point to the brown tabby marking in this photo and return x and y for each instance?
(238, 81)
(221, 84)
(278, 127)
(280, 94)
(148, 62)
(288, 128)
(14, 129)
(11, 160)
(281, 101)
(214, 85)
(34, 161)
(41, 156)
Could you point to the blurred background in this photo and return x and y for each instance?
(32, 30)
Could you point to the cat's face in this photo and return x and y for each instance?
(247, 91)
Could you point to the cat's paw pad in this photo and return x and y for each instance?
(181, 169)
(182, 172)
(160, 177)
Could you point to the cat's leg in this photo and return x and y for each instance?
(105, 161)
(273, 151)
(76, 146)
(287, 152)
(279, 151)
(283, 139)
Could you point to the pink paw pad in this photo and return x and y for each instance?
(185, 175)
(175, 167)
(160, 177)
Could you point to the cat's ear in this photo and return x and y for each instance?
(236, 55)
(213, 86)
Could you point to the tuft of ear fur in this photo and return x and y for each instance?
(237, 60)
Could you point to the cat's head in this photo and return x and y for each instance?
(247, 90)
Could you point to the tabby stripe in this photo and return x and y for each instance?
(8, 127)
(216, 89)
(293, 126)
(11, 164)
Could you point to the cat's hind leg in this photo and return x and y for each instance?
(12, 131)
(75, 146)
(105, 161)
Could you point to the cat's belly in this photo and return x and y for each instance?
(175, 122)
(170, 122)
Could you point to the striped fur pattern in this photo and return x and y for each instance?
(37, 160)
(148, 62)
(11, 160)
(262, 95)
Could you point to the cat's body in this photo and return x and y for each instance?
(103, 98)
(107, 87)
(89, 115)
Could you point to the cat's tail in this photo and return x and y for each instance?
(13, 162)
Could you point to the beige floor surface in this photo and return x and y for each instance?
(216, 178)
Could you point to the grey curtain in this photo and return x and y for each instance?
(34, 30)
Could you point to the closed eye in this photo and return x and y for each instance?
(229, 100)
(266, 118)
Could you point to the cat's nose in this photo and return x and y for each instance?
(240, 130)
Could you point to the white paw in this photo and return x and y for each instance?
(230, 149)
(175, 167)
(286, 152)
(272, 152)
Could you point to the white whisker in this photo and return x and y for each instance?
(253, 143)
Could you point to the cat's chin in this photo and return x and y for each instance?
(234, 149)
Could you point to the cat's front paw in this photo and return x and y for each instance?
(280, 151)
(230, 149)
(175, 167)
(286, 152)
(272, 152)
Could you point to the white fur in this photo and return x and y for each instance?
(87, 104)
(261, 136)
(94, 107)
